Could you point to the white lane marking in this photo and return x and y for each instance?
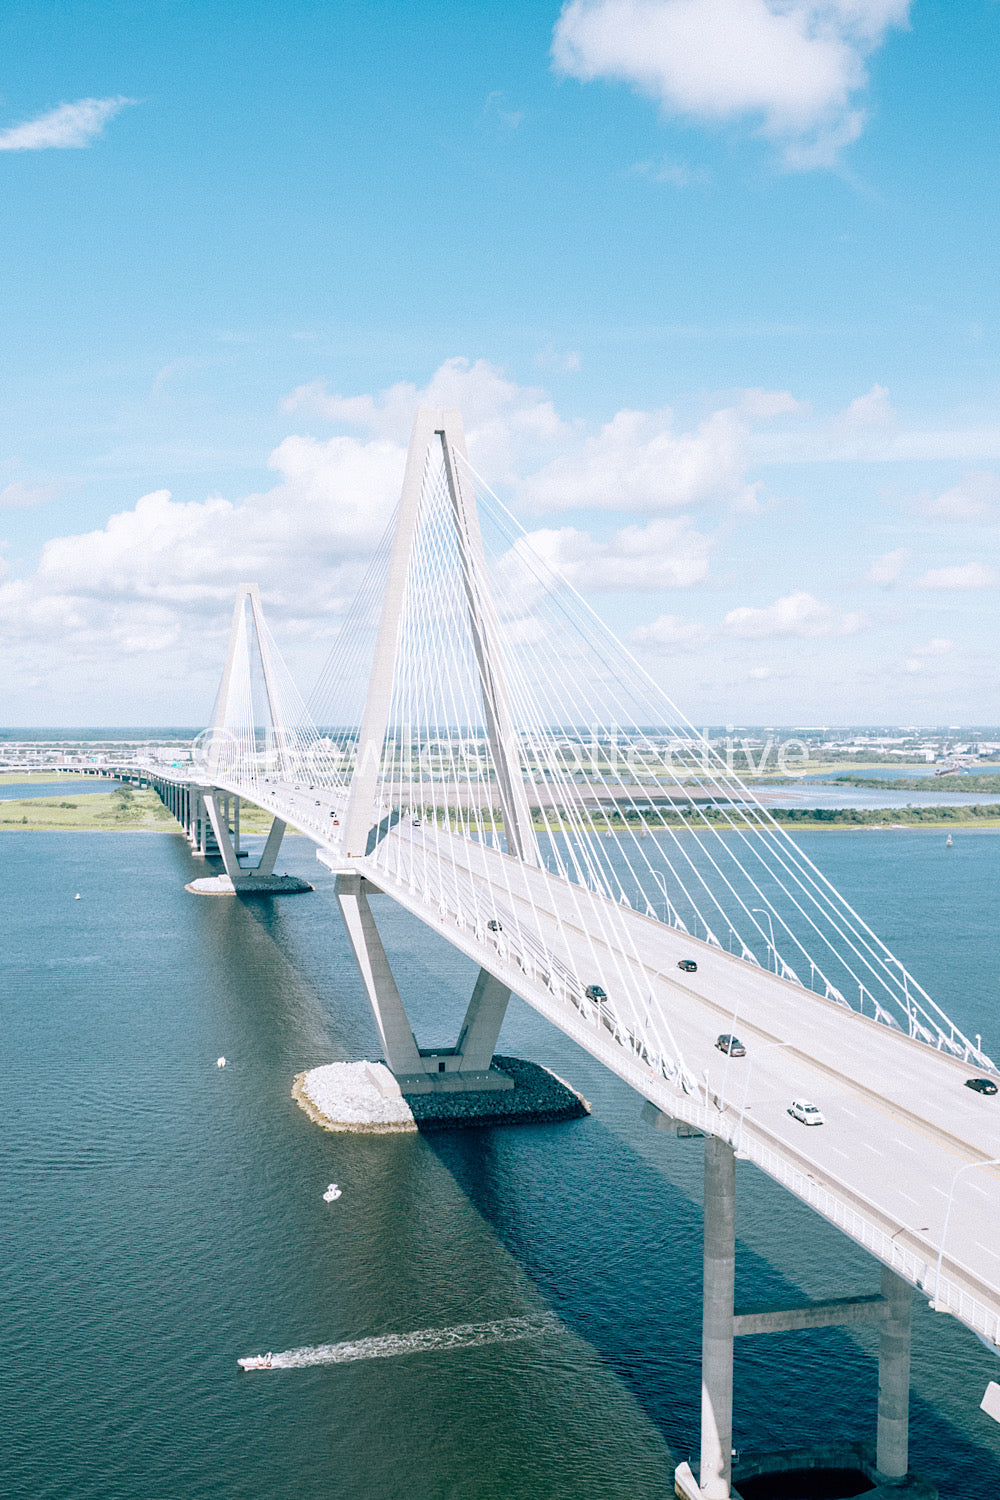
(421, 1341)
(907, 1197)
(987, 1249)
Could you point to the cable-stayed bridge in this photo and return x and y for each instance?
(482, 750)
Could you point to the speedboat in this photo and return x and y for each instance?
(949, 842)
(256, 1362)
(332, 1193)
(220, 1062)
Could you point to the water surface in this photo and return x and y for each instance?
(169, 1216)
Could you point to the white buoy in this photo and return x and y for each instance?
(220, 1062)
(332, 1193)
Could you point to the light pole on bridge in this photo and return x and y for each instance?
(968, 1166)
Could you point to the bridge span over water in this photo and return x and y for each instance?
(484, 752)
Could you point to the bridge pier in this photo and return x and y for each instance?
(722, 1324)
(717, 1319)
(466, 1067)
(892, 1455)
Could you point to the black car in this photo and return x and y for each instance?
(596, 992)
(730, 1044)
(981, 1085)
(688, 965)
(494, 926)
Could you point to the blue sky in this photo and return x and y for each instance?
(714, 282)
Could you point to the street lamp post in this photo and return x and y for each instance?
(759, 911)
(969, 1166)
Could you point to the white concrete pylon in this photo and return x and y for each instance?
(441, 430)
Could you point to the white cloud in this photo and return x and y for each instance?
(70, 125)
(638, 462)
(504, 422)
(796, 66)
(669, 633)
(973, 575)
(668, 553)
(974, 498)
(798, 614)
(559, 362)
(921, 655)
(888, 568)
(166, 571)
(758, 403)
(867, 426)
(19, 494)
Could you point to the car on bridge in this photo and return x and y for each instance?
(731, 1045)
(809, 1114)
(688, 965)
(597, 993)
(981, 1085)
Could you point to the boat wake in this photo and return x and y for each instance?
(421, 1341)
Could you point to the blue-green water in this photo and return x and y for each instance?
(164, 1217)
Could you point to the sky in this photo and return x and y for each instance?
(713, 283)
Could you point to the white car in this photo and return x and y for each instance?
(809, 1114)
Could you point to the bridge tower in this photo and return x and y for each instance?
(435, 433)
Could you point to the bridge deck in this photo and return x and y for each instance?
(899, 1120)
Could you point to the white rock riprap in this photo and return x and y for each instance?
(359, 1096)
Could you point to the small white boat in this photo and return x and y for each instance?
(332, 1193)
(949, 842)
(256, 1362)
(77, 896)
(220, 1062)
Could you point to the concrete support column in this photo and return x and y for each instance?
(236, 826)
(271, 847)
(482, 1023)
(398, 1043)
(717, 1320)
(892, 1451)
(215, 803)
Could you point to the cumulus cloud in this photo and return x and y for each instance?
(669, 633)
(504, 422)
(758, 403)
(973, 575)
(70, 125)
(920, 656)
(867, 426)
(167, 570)
(887, 569)
(639, 462)
(974, 498)
(160, 576)
(668, 553)
(795, 66)
(19, 495)
(798, 614)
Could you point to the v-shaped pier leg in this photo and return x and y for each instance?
(418, 1070)
(401, 1051)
